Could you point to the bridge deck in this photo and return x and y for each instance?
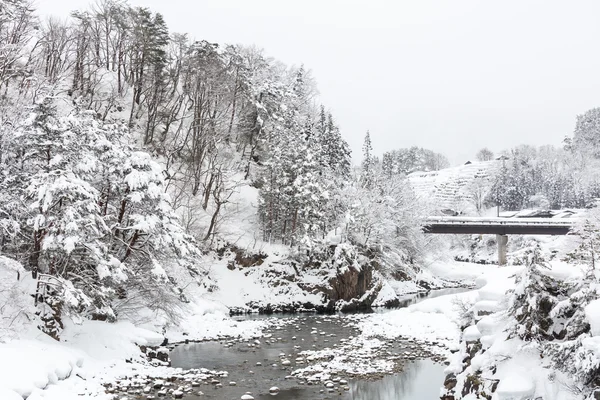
(499, 226)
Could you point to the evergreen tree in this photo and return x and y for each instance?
(368, 164)
(387, 165)
(337, 150)
(91, 211)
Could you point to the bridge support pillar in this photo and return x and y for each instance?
(502, 241)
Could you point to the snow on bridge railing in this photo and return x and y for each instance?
(500, 221)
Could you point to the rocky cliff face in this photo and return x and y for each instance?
(351, 284)
(353, 289)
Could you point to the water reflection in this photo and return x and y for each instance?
(289, 394)
(257, 368)
(419, 381)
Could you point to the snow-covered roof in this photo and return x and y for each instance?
(533, 213)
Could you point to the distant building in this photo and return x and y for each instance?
(450, 212)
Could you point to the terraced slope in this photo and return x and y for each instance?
(453, 188)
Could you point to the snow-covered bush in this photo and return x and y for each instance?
(532, 303)
(561, 317)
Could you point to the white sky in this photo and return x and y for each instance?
(451, 76)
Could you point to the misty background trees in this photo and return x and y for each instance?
(546, 177)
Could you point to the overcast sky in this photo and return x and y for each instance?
(451, 76)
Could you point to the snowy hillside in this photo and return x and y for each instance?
(456, 188)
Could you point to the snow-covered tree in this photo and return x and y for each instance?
(367, 177)
(485, 154)
(586, 137)
(405, 161)
(385, 216)
(478, 191)
(132, 125)
(554, 315)
(17, 25)
(89, 210)
(306, 164)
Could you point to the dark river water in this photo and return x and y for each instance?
(257, 366)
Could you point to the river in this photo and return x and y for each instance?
(255, 366)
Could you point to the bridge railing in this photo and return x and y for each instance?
(500, 221)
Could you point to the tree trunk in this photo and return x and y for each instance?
(213, 222)
(235, 90)
(34, 258)
(207, 192)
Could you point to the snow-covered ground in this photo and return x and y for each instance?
(432, 320)
(90, 353)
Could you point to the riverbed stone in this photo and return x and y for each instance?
(178, 394)
(450, 381)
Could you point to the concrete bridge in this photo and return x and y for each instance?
(501, 227)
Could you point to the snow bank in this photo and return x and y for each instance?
(449, 305)
(104, 341)
(592, 314)
(455, 271)
(28, 365)
(419, 325)
(496, 282)
(516, 384)
(471, 333)
(209, 320)
(385, 295)
(402, 288)
(7, 394)
(17, 310)
(431, 320)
